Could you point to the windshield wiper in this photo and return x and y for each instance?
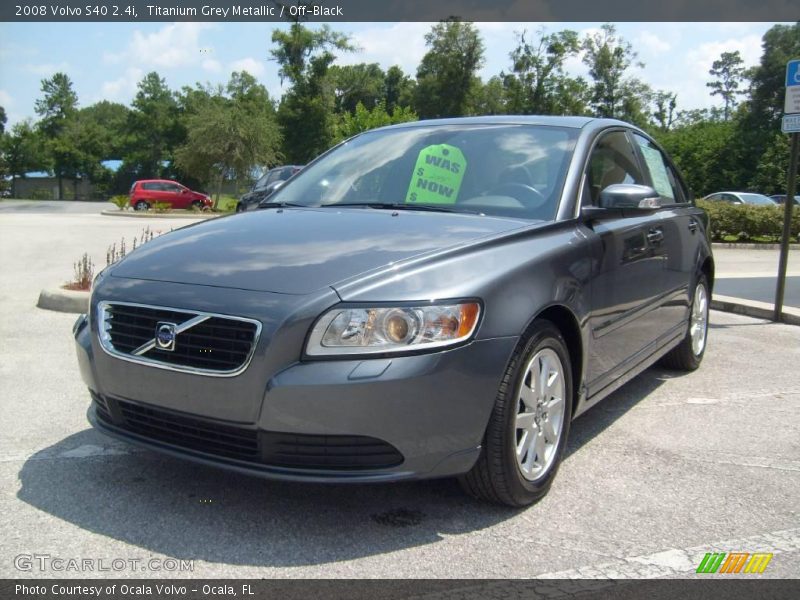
(268, 204)
(393, 206)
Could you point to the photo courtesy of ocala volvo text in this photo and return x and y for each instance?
(431, 299)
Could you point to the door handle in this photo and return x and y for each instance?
(655, 236)
(693, 226)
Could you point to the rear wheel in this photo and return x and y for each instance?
(141, 205)
(687, 355)
(528, 428)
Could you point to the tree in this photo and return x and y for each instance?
(56, 108)
(353, 84)
(664, 113)
(364, 119)
(112, 119)
(758, 125)
(537, 80)
(297, 49)
(609, 57)
(706, 153)
(491, 98)
(3, 120)
(306, 113)
(154, 127)
(399, 88)
(447, 75)
(728, 72)
(23, 151)
(773, 167)
(229, 135)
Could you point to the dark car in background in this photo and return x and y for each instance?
(431, 299)
(740, 198)
(266, 186)
(146, 192)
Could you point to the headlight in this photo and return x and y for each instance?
(392, 329)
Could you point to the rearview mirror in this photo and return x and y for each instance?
(629, 195)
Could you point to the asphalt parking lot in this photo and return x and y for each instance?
(668, 468)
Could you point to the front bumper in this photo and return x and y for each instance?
(431, 408)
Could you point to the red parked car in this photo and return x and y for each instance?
(146, 192)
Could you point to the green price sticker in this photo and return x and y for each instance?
(437, 175)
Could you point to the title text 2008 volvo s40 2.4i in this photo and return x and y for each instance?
(425, 300)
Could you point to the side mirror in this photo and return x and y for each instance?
(629, 196)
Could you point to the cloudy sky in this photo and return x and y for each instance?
(106, 60)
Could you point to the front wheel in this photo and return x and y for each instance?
(527, 432)
(141, 205)
(687, 355)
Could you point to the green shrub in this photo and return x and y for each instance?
(40, 194)
(121, 201)
(162, 207)
(750, 223)
(226, 203)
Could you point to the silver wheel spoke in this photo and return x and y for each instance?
(539, 448)
(555, 405)
(523, 445)
(525, 420)
(549, 431)
(528, 396)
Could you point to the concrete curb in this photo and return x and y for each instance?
(61, 300)
(742, 246)
(751, 308)
(149, 214)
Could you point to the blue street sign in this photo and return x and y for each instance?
(791, 124)
(793, 73)
(791, 103)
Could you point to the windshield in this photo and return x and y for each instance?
(757, 199)
(501, 170)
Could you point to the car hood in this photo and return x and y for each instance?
(298, 251)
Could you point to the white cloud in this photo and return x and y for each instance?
(212, 65)
(172, 46)
(6, 100)
(691, 84)
(705, 54)
(252, 65)
(47, 69)
(400, 44)
(652, 43)
(124, 87)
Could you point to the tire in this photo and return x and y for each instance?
(141, 205)
(498, 476)
(239, 207)
(688, 355)
(197, 204)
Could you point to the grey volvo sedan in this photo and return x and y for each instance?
(425, 300)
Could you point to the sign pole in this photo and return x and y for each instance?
(788, 206)
(789, 124)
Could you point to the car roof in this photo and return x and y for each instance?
(548, 120)
(157, 181)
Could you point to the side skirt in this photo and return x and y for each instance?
(644, 359)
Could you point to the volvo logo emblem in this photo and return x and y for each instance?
(165, 336)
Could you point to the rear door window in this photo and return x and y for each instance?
(662, 175)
